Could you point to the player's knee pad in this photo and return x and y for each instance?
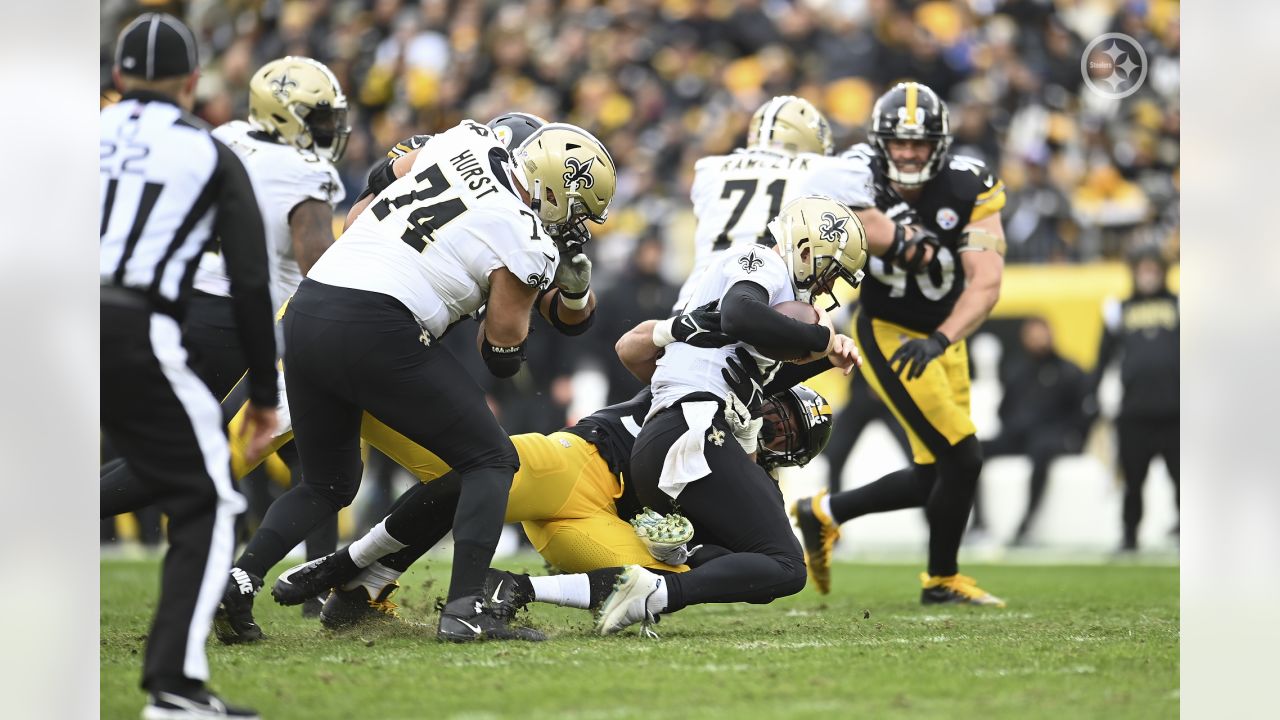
(796, 576)
(336, 496)
(966, 457)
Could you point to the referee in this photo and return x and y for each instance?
(168, 189)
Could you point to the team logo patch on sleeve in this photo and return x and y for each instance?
(750, 262)
(538, 280)
(947, 218)
(831, 229)
(579, 173)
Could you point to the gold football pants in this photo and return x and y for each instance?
(563, 494)
(933, 408)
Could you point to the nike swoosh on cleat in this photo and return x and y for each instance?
(474, 628)
(497, 590)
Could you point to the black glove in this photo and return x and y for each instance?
(744, 378)
(699, 327)
(912, 357)
(910, 254)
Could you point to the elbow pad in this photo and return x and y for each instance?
(572, 330)
(502, 362)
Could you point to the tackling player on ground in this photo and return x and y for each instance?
(915, 316)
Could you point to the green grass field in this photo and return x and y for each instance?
(1075, 642)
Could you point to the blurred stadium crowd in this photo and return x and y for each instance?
(665, 82)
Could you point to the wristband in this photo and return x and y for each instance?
(574, 301)
(662, 335)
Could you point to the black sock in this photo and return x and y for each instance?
(601, 582)
(949, 504)
(524, 589)
(288, 520)
(905, 488)
(477, 525)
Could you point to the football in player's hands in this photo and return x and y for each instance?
(796, 310)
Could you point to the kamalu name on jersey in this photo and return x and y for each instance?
(962, 192)
(432, 237)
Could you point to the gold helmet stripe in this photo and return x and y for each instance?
(913, 90)
(770, 118)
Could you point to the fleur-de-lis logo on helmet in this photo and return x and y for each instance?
(281, 86)
(750, 263)
(579, 173)
(831, 229)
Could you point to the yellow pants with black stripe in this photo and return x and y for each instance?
(933, 408)
(563, 494)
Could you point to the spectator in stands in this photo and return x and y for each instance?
(1044, 412)
(1143, 331)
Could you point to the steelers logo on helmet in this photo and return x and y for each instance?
(504, 135)
(947, 218)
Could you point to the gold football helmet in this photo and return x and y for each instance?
(300, 101)
(790, 123)
(569, 175)
(821, 241)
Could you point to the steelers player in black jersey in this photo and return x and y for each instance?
(911, 331)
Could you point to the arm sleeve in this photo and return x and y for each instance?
(238, 223)
(790, 374)
(745, 315)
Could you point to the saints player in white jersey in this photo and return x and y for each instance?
(735, 195)
(465, 224)
(685, 451)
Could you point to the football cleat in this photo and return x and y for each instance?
(819, 535)
(666, 537)
(314, 578)
(955, 589)
(312, 606)
(233, 622)
(506, 593)
(175, 706)
(346, 608)
(467, 619)
(628, 604)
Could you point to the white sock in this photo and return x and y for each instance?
(373, 578)
(825, 504)
(565, 590)
(375, 544)
(658, 600)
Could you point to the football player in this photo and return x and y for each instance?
(686, 453)
(461, 223)
(570, 495)
(915, 315)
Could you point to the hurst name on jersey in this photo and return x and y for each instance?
(283, 176)
(432, 237)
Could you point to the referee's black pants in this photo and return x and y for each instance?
(737, 508)
(167, 425)
(350, 351)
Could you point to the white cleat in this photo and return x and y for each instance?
(628, 604)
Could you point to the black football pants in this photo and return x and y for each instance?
(350, 351)
(738, 507)
(1141, 441)
(167, 425)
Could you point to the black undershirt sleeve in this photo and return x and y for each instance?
(745, 315)
(791, 374)
(238, 224)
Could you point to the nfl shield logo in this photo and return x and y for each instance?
(947, 218)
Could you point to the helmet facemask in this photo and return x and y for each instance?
(326, 129)
(796, 428)
(921, 116)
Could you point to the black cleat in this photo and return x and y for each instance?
(314, 578)
(179, 706)
(233, 622)
(468, 620)
(507, 593)
(347, 608)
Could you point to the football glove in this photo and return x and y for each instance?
(573, 277)
(912, 357)
(666, 538)
(699, 327)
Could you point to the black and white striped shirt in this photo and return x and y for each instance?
(167, 190)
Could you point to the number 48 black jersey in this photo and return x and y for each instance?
(963, 191)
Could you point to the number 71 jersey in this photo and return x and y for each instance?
(432, 237)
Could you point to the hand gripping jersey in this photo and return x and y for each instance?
(962, 192)
(685, 369)
(735, 196)
(432, 237)
(283, 176)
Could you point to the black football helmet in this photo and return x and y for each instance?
(911, 111)
(797, 426)
(514, 128)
